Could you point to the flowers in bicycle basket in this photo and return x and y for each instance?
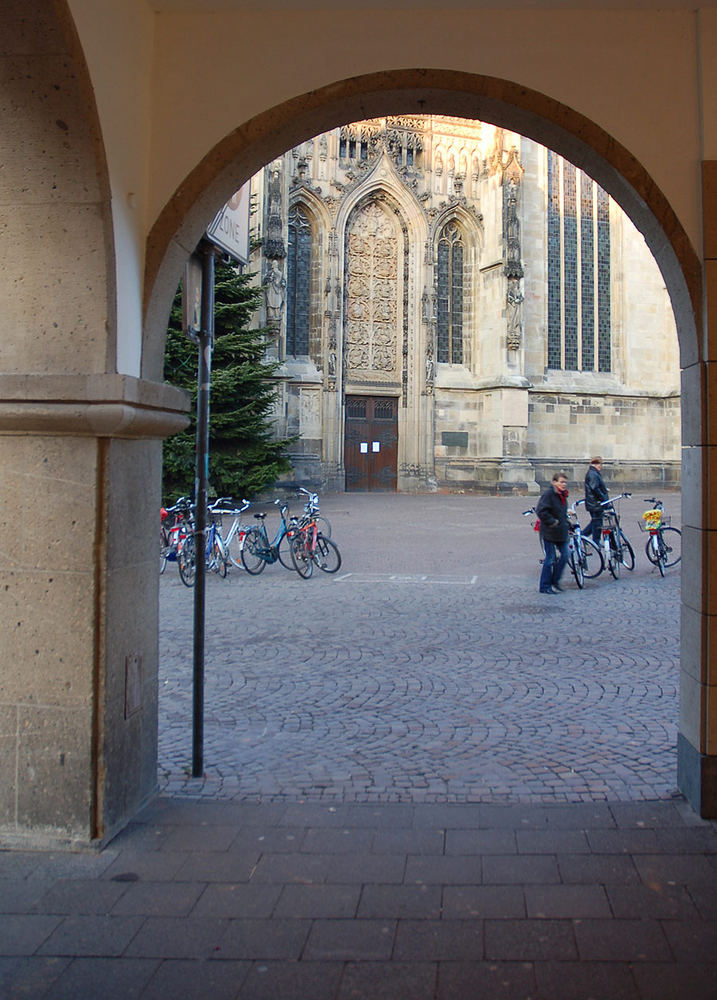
(652, 518)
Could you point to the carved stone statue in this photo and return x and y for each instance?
(274, 285)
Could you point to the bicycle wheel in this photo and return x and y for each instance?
(323, 526)
(627, 553)
(252, 551)
(661, 554)
(219, 561)
(591, 558)
(652, 549)
(234, 548)
(614, 559)
(284, 550)
(326, 554)
(672, 538)
(576, 569)
(186, 562)
(300, 549)
(164, 547)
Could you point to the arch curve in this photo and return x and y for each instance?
(417, 91)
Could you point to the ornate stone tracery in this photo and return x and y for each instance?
(371, 293)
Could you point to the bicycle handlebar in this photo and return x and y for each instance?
(609, 502)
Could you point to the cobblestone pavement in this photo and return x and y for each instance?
(429, 669)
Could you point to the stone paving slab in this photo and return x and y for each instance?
(428, 669)
(319, 922)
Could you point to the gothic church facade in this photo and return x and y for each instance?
(456, 307)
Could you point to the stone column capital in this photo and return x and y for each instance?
(103, 405)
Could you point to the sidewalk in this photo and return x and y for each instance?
(307, 901)
(422, 783)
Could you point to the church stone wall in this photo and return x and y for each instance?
(382, 309)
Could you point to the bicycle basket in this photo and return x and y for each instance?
(609, 520)
(653, 519)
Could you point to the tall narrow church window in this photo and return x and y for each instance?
(298, 276)
(578, 270)
(450, 295)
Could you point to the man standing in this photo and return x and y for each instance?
(552, 511)
(595, 493)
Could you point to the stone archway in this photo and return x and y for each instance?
(554, 125)
(239, 155)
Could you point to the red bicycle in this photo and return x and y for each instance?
(309, 547)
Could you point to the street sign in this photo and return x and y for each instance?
(230, 228)
(192, 298)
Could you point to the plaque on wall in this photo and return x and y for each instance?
(454, 439)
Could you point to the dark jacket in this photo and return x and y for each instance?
(595, 490)
(552, 510)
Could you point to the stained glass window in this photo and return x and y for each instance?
(298, 283)
(450, 295)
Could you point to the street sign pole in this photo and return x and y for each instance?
(201, 483)
(229, 234)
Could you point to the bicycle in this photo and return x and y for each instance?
(617, 551)
(664, 544)
(311, 512)
(214, 554)
(237, 531)
(175, 527)
(309, 547)
(256, 551)
(584, 556)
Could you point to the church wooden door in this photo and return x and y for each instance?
(371, 443)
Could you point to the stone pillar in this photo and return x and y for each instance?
(79, 499)
(697, 741)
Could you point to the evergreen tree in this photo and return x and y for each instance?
(244, 457)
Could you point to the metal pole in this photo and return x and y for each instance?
(201, 479)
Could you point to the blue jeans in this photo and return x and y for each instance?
(556, 555)
(594, 528)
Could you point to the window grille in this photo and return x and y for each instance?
(355, 408)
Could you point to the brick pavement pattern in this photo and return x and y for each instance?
(429, 669)
(384, 880)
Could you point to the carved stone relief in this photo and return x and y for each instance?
(371, 322)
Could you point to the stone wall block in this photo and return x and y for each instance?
(129, 740)
(54, 770)
(64, 324)
(8, 764)
(694, 475)
(696, 548)
(47, 504)
(698, 632)
(692, 693)
(45, 133)
(693, 398)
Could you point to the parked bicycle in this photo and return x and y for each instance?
(664, 544)
(309, 548)
(311, 512)
(215, 555)
(257, 551)
(584, 556)
(617, 551)
(223, 507)
(175, 528)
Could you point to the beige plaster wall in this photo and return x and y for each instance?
(118, 47)
(608, 65)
